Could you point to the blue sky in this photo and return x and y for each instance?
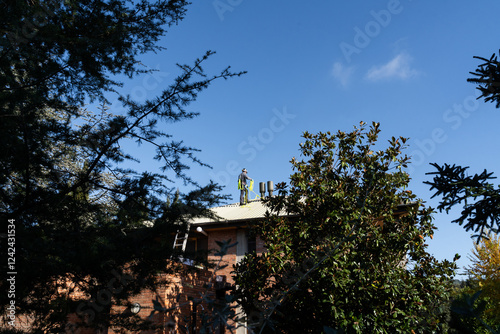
(326, 66)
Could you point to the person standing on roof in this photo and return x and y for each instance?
(242, 186)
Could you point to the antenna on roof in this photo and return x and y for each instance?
(262, 189)
(270, 188)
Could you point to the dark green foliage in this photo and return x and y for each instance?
(351, 258)
(480, 199)
(488, 79)
(81, 217)
(467, 315)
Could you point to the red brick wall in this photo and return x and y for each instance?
(176, 296)
(182, 287)
(230, 258)
(260, 245)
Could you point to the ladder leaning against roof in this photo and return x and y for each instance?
(181, 241)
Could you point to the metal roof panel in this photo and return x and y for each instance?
(235, 212)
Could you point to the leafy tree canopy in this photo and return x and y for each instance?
(78, 214)
(351, 255)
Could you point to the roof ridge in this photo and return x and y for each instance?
(236, 204)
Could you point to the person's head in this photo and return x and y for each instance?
(244, 170)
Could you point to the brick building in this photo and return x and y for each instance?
(233, 223)
(178, 298)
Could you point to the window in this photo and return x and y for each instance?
(251, 242)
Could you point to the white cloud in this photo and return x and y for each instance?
(341, 73)
(398, 68)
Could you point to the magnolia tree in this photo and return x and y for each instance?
(350, 256)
